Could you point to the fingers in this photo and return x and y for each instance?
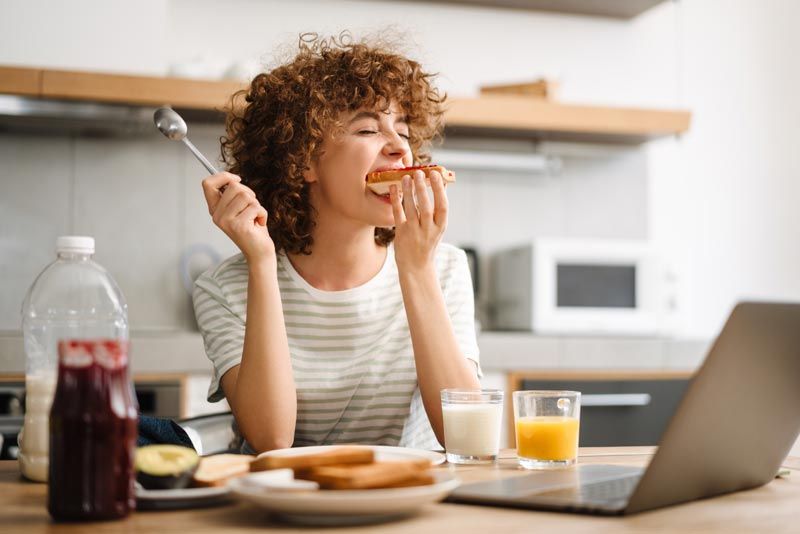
(424, 205)
(235, 198)
(212, 186)
(439, 199)
(261, 216)
(397, 206)
(250, 215)
(408, 200)
(417, 204)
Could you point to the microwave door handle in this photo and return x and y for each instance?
(615, 399)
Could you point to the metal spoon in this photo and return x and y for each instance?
(173, 127)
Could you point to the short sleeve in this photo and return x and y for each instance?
(457, 289)
(222, 328)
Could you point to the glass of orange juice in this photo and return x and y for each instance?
(547, 424)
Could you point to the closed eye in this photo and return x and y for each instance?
(407, 137)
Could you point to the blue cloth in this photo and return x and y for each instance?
(158, 431)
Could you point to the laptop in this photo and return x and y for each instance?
(734, 426)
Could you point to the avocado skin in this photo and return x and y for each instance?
(161, 482)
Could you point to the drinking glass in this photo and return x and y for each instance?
(472, 421)
(547, 425)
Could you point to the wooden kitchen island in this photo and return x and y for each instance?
(774, 507)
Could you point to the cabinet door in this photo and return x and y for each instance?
(621, 412)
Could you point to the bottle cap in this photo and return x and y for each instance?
(75, 243)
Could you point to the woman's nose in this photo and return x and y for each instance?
(395, 145)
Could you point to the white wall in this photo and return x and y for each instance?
(720, 202)
(724, 200)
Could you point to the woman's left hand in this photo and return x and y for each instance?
(419, 224)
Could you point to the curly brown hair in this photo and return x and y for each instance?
(275, 128)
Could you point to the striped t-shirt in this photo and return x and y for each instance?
(352, 359)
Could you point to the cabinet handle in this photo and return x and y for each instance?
(616, 399)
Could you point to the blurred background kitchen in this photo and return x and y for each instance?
(695, 176)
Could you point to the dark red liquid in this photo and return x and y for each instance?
(93, 426)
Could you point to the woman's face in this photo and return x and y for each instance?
(371, 140)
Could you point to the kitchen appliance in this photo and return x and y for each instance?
(12, 399)
(577, 286)
(156, 399)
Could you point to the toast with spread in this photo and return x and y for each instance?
(380, 181)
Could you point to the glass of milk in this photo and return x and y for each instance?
(472, 420)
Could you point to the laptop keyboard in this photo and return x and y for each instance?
(605, 491)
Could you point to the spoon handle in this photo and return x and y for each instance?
(207, 164)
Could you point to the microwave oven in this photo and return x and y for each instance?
(577, 286)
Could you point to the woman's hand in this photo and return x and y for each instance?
(418, 225)
(237, 212)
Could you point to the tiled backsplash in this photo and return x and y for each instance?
(140, 197)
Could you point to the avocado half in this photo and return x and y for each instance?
(165, 466)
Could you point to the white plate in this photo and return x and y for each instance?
(382, 452)
(172, 499)
(338, 507)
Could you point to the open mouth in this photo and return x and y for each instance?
(384, 198)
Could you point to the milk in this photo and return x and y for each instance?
(472, 429)
(34, 438)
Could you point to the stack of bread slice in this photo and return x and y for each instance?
(343, 468)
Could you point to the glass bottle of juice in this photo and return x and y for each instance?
(92, 432)
(72, 298)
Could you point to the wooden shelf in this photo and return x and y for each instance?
(619, 9)
(117, 88)
(548, 120)
(514, 116)
(20, 81)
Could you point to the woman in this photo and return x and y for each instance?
(343, 317)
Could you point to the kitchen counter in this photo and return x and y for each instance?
(183, 352)
(156, 352)
(773, 507)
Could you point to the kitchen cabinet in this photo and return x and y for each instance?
(497, 115)
(617, 408)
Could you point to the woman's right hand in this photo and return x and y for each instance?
(235, 209)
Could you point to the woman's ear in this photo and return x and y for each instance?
(310, 174)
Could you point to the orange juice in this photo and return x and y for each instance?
(547, 438)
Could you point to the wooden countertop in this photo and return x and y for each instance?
(773, 507)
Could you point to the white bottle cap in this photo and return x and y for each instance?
(75, 243)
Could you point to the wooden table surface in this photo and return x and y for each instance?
(774, 507)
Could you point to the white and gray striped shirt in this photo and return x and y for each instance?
(351, 352)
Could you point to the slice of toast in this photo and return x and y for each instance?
(337, 456)
(419, 479)
(368, 476)
(381, 181)
(216, 470)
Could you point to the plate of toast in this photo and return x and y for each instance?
(380, 452)
(203, 485)
(345, 484)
